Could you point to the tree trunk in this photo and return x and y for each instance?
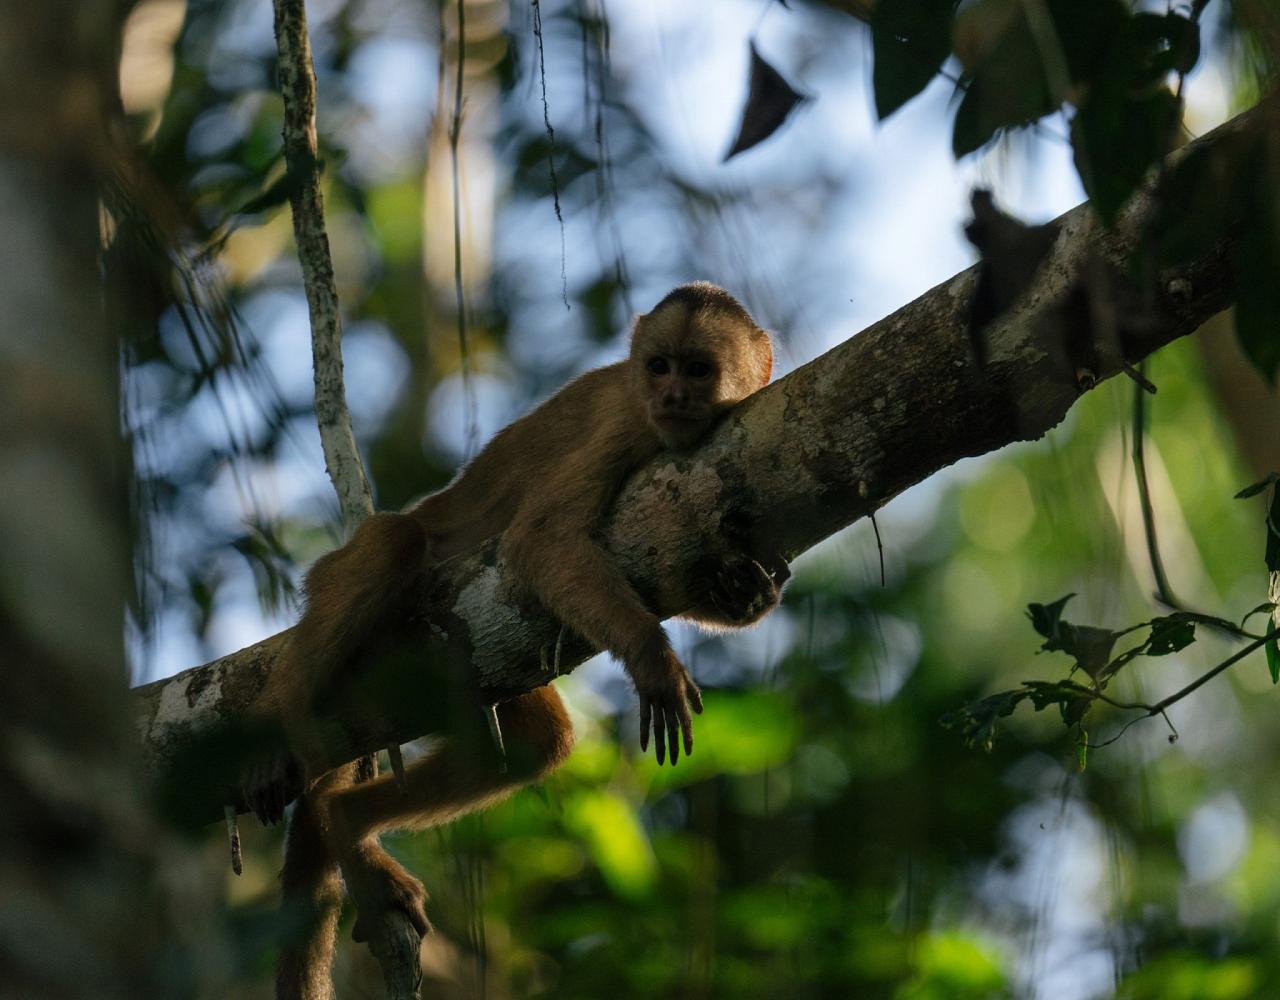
(87, 908)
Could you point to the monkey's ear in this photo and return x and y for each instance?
(636, 320)
(766, 357)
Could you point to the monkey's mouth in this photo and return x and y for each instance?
(678, 421)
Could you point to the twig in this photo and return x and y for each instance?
(460, 301)
(551, 146)
(1158, 708)
(879, 546)
(298, 88)
(1164, 592)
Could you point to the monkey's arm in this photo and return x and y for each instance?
(550, 546)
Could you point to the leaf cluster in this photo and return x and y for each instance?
(1116, 74)
(1093, 651)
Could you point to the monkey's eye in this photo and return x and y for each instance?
(697, 369)
(658, 366)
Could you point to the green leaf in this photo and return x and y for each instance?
(1203, 196)
(1076, 709)
(911, 40)
(1091, 34)
(770, 100)
(1045, 617)
(1158, 44)
(1273, 660)
(1090, 646)
(1256, 263)
(1060, 693)
(1116, 139)
(1170, 634)
(1127, 117)
(1007, 90)
(1073, 700)
(1082, 750)
(1256, 488)
(1272, 554)
(1184, 37)
(976, 721)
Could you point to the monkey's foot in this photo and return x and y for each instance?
(271, 782)
(743, 591)
(378, 884)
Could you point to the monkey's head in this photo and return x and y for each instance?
(694, 355)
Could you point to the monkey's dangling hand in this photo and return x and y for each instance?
(667, 693)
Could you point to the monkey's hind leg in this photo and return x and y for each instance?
(350, 593)
(465, 773)
(311, 901)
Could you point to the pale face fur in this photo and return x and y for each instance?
(694, 356)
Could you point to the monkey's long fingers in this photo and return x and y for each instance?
(686, 728)
(694, 694)
(659, 734)
(645, 711)
(675, 722)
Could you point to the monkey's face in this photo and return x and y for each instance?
(694, 356)
(683, 397)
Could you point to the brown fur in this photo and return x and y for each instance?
(543, 483)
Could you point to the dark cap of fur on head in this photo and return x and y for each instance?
(699, 295)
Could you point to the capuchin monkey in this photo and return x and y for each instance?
(543, 484)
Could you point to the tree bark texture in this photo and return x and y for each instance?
(830, 443)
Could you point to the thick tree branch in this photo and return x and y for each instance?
(812, 453)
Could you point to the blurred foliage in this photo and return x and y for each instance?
(829, 837)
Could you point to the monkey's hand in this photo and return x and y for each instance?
(742, 591)
(270, 783)
(667, 693)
